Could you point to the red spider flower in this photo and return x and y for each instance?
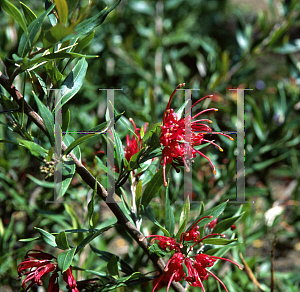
(70, 280)
(39, 264)
(173, 271)
(53, 285)
(133, 146)
(163, 241)
(200, 265)
(173, 134)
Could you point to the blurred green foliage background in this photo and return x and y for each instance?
(147, 48)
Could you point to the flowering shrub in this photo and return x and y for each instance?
(136, 157)
(55, 57)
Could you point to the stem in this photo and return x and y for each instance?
(89, 179)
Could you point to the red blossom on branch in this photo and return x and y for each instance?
(132, 145)
(197, 266)
(173, 135)
(70, 280)
(37, 264)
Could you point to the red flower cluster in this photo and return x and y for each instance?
(133, 146)
(196, 265)
(40, 264)
(173, 136)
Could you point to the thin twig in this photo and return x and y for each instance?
(272, 265)
(250, 273)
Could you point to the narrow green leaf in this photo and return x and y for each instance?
(68, 171)
(149, 215)
(226, 224)
(154, 186)
(47, 118)
(154, 130)
(81, 45)
(103, 127)
(68, 139)
(29, 14)
(62, 10)
(47, 237)
(65, 259)
(62, 240)
(57, 33)
(220, 251)
(73, 81)
(180, 111)
(134, 160)
(66, 116)
(41, 82)
(92, 236)
(14, 12)
(100, 164)
(118, 148)
(169, 215)
(9, 142)
(90, 24)
(84, 42)
(91, 206)
(44, 184)
(34, 28)
(112, 267)
(34, 148)
(138, 193)
(184, 217)
(215, 212)
(218, 241)
(68, 166)
(52, 71)
(78, 142)
(53, 56)
(106, 256)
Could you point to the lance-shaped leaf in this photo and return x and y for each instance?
(14, 12)
(62, 240)
(62, 10)
(226, 224)
(29, 14)
(112, 267)
(154, 186)
(184, 217)
(91, 206)
(58, 33)
(47, 118)
(218, 241)
(34, 148)
(73, 81)
(90, 24)
(34, 28)
(214, 212)
(106, 256)
(92, 236)
(78, 142)
(169, 215)
(47, 237)
(55, 56)
(64, 259)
